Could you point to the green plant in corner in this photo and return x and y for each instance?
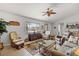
(2, 26)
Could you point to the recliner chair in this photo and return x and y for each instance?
(16, 42)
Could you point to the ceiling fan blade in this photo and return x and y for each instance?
(53, 12)
(49, 14)
(48, 8)
(44, 14)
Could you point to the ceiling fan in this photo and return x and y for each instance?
(49, 12)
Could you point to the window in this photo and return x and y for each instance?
(37, 27)
(33, 27)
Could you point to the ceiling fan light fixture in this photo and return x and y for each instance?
(49, 12)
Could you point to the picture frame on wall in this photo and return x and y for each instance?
(72, 26)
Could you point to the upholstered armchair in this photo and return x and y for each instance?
(16, 42)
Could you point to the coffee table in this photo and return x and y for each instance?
(45, 44)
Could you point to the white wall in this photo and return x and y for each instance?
(73, 19)
(20, 29)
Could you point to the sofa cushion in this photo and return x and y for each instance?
(73, 39)
(69, 44)
(78, 42)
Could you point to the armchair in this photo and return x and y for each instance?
(16, 41)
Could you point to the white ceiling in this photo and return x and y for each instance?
(34, 10)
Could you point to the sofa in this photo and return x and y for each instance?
(69, 46)
(66, 49)
(34, 36)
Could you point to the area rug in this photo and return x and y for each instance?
(33, 48)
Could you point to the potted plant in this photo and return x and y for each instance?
(2, 26)
(2, 30)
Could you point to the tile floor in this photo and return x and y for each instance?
(9, 51)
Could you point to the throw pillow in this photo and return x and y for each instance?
(71, 39)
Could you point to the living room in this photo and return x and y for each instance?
(39, 29)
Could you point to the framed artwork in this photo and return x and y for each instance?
(14, 23)
(72, 26)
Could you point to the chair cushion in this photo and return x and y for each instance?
(20, 42)
(17, 40)
(14, 36)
